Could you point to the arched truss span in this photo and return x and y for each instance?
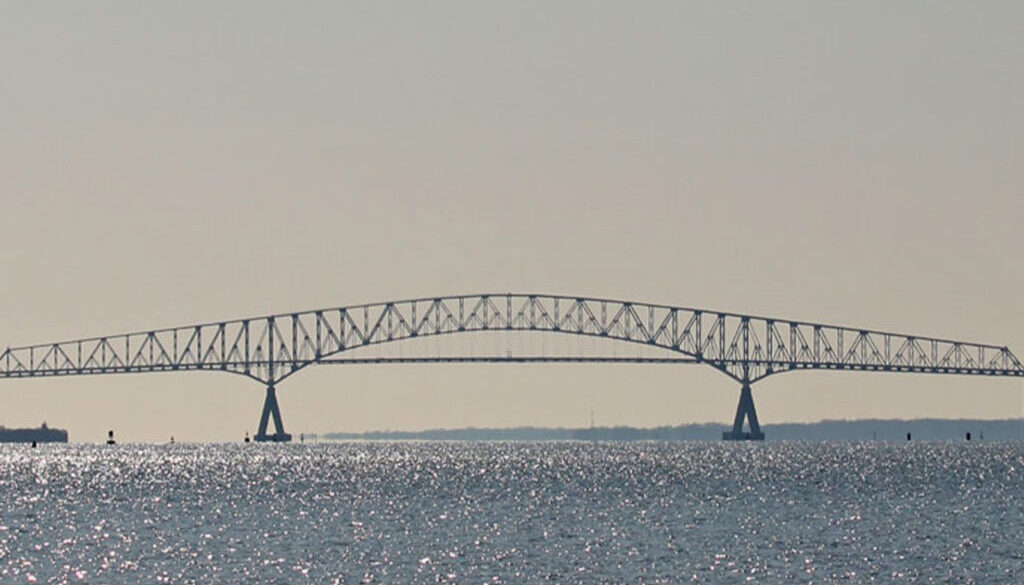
(744, 347)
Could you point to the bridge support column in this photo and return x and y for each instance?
(270, 408)
(745, 410)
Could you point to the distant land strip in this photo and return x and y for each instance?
(827, 430)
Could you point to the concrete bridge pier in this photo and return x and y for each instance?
(270, 409)
(745, 410)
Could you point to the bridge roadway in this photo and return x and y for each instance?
(746, 348)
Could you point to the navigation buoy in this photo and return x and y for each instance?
(968, 436)
(33, 444)
(247, 437)
(110, 438)
(908, 436)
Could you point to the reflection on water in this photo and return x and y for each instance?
(513, 513)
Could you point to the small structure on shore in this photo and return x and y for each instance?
(43, 434)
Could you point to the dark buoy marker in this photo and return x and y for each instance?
(33, 444)
(908, 436)
(110, 438)
(247, 436)
(968, 436)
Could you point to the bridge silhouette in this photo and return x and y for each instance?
(745, 348)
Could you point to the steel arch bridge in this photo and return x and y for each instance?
(746, 348)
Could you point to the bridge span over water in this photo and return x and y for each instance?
(745, 348)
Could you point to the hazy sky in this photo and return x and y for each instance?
(164, 164)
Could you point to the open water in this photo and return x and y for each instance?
(514, 513)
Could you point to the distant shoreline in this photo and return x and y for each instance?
(43, 434)
(843, 430)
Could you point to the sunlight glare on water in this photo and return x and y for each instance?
(513, 513)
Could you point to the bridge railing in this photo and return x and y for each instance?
(744, 347)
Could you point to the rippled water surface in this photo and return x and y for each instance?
(513, 513)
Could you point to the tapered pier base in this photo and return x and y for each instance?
(745, 410)
(270, 409)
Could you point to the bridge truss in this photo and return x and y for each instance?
(746, 348)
